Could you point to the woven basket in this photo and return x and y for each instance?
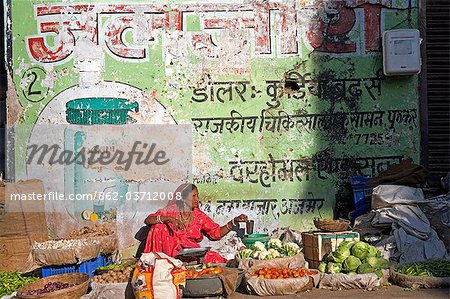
(81, 280)
(332, 225)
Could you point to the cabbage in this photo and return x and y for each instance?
(322, 267)
(334, 268)
(351, 263)
(377, 263)
(365, 268)
(360, 250)
(372, 251)
(372, 261)
(346, 245)
(379, 273)
(382, 263)
(340, 255)
(352, 273)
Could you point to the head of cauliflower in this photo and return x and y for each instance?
(275, 243)
(258, 246)
(273, 253)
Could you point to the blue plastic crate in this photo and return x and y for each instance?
(362, 192)
(87, 267)
(360, 211)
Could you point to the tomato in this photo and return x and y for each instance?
(268, 276)
(261, 276)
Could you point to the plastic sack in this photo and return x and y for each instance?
(273, 287)
(426, 282)
(389, 195)
(158, 276)
(357, 281)
(286, 234)
(106, 291)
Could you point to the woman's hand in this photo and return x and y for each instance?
(241, 218)
(175, 222)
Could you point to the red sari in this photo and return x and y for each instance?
(168, 239)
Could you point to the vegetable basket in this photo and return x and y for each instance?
(81, 280)
(331, 225)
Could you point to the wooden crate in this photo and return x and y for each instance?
(316, 245)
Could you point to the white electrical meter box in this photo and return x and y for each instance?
(401, 52)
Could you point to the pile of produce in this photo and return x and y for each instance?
(87, 232)
(114, 273)
(114, 266)
(203, 272)
(353, 257)
(273, 273)
(276, 249)
(436, 268)
(11, 282)
(50, 287)
(64, 244)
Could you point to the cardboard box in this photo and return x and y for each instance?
(18, 230)
(316, 245)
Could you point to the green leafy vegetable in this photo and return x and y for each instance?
(365, 268)
(360, 250)
(323, 267)
(346, 245)
(334, 268)
(437, 268)
(351, 263)
(379, 273)
(372, 251)
(12, 281)
(246, 254)
(291, 249)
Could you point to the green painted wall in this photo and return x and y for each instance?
(337, 115)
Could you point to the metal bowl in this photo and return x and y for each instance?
(193, 252)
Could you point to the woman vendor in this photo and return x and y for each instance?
(181, 224)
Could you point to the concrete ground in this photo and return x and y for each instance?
(389, 292)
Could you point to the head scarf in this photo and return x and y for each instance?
(172, 204)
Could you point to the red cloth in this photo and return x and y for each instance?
(169, 240)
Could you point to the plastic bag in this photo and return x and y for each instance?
(286, 234)
(158, 276)
(272, 287)
(426, 282)
(357, 281)
(106, 291)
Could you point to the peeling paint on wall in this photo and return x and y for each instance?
(287, 98)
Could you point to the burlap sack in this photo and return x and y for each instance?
(108, 244)
(272, 287)
(54, 257)
(358, 281)
(426, 282)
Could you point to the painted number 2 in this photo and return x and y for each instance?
(30, 87)
(31, 84)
